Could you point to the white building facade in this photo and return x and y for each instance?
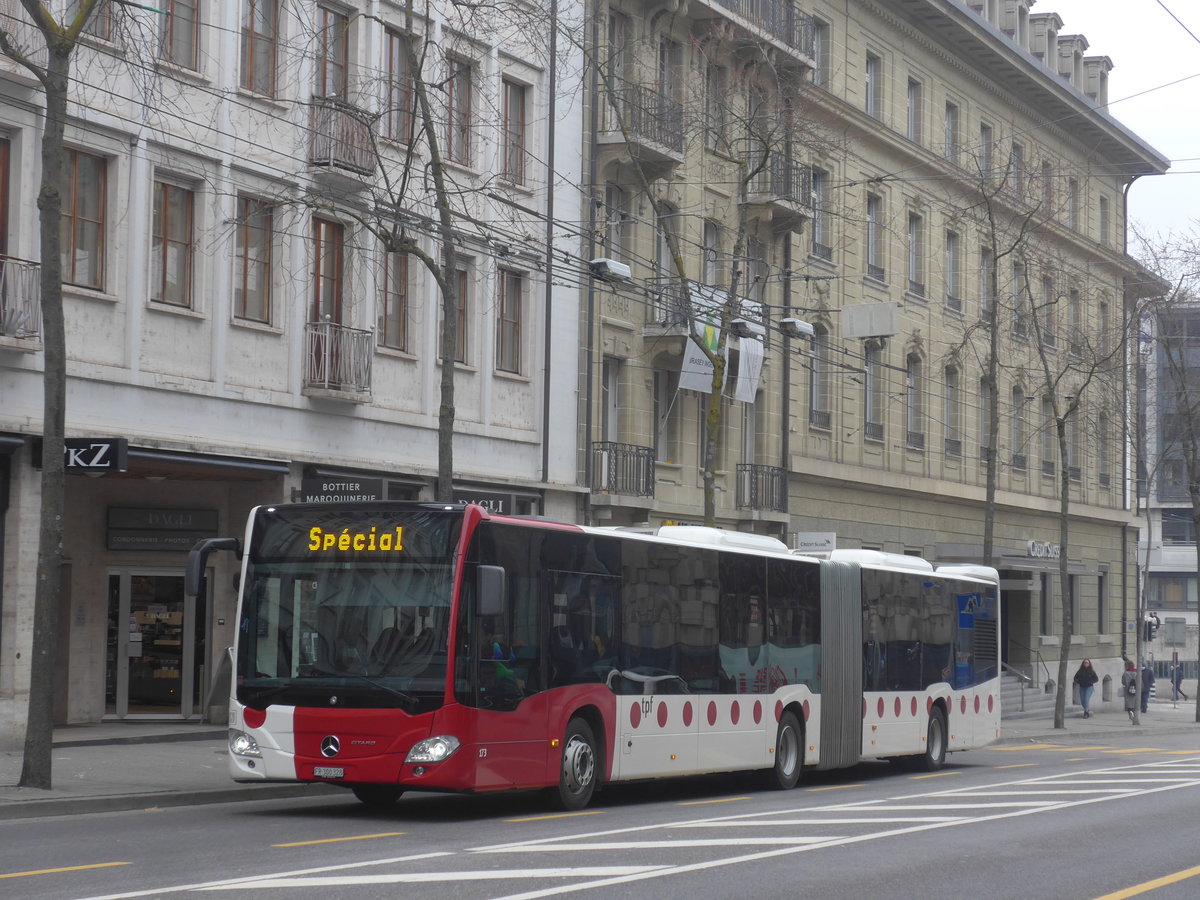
(247, 198)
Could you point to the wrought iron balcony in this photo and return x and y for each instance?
(622, 469)
(668, 306)
(21, 301)
(761, 487)
(784, 186)
(341, 137)
(652, 121)
(338, 358)
(779, 19)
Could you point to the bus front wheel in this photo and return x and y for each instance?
(577, 777)
(935, 741)
(789, 753)
(377, 796)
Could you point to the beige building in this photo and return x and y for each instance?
(886, 187)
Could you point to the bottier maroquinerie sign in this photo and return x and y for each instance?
(339, 489)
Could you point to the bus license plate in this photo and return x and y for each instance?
(328, 772)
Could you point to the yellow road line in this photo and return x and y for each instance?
(1017, 766)
(1137, 750)
(1081, 759)
(357, 837)
(933, 775)
(1028, 747)
(1147, 886)
(835, 787)
(586, 812)
(64, 869)
(1081, 749)
(718, 800)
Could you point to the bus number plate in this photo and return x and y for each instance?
(328, 772)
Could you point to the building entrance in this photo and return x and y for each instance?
(156, 646)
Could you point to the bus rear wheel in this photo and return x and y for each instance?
(578, 774)
(789, 753)
(377, 796)
(935, 741)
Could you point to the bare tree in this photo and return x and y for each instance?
(46, 49)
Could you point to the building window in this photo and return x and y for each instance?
(819, 382)
(512, 160)
(987, 144)
(616, 221)
(1020, 319)
(913, 118)
(508, 328)
(820, 215)
(393, 311)
(400, 116)
(711, 271)
(1048, 319)
(172, 245)
(986, 401)
(914, 402)
(1049, 437)
(1103, 467)
(329, 242)
(916, 255)
(874, 237)
(462, 330)
(610, 399)
(820, 73)
(1104, 223)
(951, 136)
(952, 413)
(1016, 169)
(874, 86)
(873, 393)
(1075, 321)
(715, 109)
(99, 24)
(1073, 204)
(1017, 435)
(1074, 463)
(1044, 600)
(180, 21)
(84, 201)
(252, 276)
(1102, 603)
(987, 277)
(1178, 528)
(953, 265)
(333, 51)
(459, 95)
(670, 69)
(667, 414)
(260, 37)
(619, 30)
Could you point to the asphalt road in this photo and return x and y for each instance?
(1110, 819)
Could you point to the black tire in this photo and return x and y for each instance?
(934, 756)
(579, 772)
(377, 796)
(789, 753)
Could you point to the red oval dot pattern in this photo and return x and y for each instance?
(712, 712)
(662, 715)
(779, 709)
(687, 714)
(757, 711)
(635, 715)
(805, 706)
(735, 712)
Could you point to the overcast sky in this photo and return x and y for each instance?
(1150, 52)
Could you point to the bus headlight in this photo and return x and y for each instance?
(241, 744)
(432, 750)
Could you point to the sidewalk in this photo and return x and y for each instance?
(133, 765)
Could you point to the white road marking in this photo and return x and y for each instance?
(665, 845)
(866, 820)
(424, 877)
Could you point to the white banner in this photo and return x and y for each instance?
(749, 369)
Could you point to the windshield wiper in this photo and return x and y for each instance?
(411, 701)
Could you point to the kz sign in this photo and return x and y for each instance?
(90, 454)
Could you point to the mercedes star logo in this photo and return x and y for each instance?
(330, 746)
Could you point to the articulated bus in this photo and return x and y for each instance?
(392, 647)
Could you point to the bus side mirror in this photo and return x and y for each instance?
(193, 571)
(489, 593)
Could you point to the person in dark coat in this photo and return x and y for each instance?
(1177, 683)
(1086, 678)
(1129, 687)
(1147, 683)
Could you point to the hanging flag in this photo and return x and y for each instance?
(749, 369)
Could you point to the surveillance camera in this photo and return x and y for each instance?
(610, 269)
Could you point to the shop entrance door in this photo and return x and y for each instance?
(156, 646)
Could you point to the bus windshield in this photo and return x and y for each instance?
(347, 608)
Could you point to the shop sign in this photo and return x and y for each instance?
(816, 541)
(339, 489)
(90, 454)
(1043, 550)
(159, 529)
(500, 504)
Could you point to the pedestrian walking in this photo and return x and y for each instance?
(1177, 683)
(1147, 683)
(1129, 688)
(1086, 678)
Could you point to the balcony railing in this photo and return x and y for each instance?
(341, 137)
(20, 299)
(783, 178)
(915, 440)
(778, 18)
(646, 115)
(668, 304)
(873, 431)
(622, 469)
(761, 487)
(338, 358)
(954, 447)
(879, 273)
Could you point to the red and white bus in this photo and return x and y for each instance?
(392, 647)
